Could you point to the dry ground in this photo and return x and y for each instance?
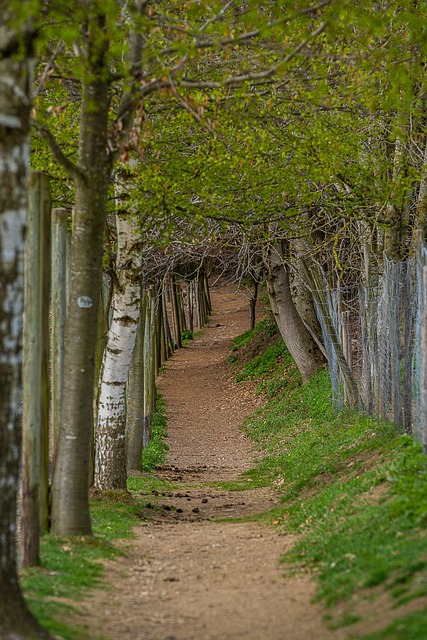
(187, 576)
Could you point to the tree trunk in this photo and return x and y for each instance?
(35, 458)
(298, 340)
(175, 312)
(134, 397)
(301, 294)
(252, 304)
(168, 342)
(59, 313)
(110, 447)
(16, 621)
(396, 229)
(70, 489)
(149, 363)
(421, 203)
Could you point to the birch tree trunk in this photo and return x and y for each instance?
(298, 340)
(15, 90)
(110, 440)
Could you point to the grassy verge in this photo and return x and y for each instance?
(352, 488)
(70, 567)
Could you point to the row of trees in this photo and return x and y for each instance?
(272, 139)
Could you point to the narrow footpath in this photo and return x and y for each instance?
(187, 576)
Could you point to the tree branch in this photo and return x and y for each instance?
(70, 167)
(249, 35)
(248, 77)
(49, 66)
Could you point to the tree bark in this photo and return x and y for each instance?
(70, 489)
(176, 317)
(396, 229)
(16, 621)
(110, 447)
(252, 303)
(35, 450)
(59, 313)
(134, 397)
(307, 355)
(150, 360)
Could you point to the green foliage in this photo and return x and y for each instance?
(187, 334)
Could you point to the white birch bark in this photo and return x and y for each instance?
(110, 445)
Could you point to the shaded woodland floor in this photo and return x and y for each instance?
(187, 575)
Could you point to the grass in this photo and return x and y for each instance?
(352, 487)
(154, 453)
(71, 566)
(262, 356)
(411, 627)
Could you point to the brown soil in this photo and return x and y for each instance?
(186, 576)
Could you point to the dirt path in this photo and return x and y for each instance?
(185, 576)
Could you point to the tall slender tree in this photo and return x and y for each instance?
(16, 71)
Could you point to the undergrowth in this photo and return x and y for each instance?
(352, 487)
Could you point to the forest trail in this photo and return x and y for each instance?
(186, 576)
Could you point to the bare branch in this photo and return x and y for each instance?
(267, 73)
(249, 35)
(49, 66)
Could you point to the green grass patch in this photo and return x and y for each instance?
(148, 484)
(260, 476)
(352, 487)
(263, 364)
(410, 627)
(154, 453)
(71, 566)
(261, 355)
(264, 326)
